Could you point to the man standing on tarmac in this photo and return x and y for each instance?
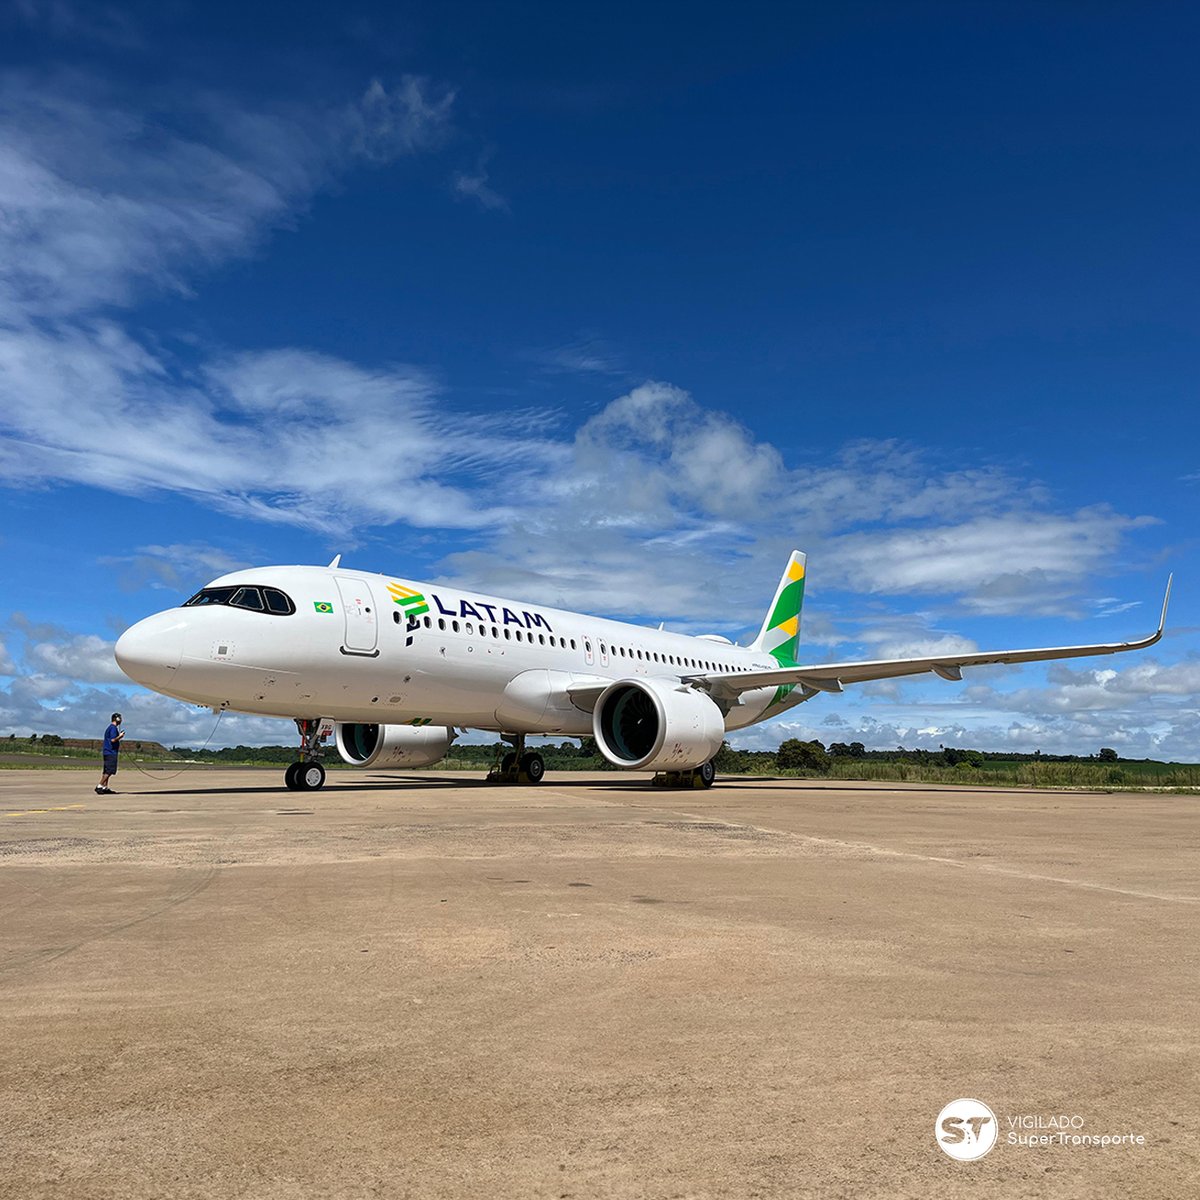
(112, 747)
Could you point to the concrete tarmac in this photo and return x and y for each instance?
(425, 986)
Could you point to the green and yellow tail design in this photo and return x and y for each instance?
(780, 633)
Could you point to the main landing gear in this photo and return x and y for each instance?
(307, 775)
(698, 777)
(518, 765)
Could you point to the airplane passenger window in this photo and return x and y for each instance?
(508, 634)
(442, 624)
(468, 628)
(541, 639)
(454, 626)
(572, 643)
(428, 622)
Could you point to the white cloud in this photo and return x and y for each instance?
(83, 657)
(283, 436)
(7, 666)
(1019, 561)
(1129, 689)
(101, 200)
(655, 474)
(27, 706)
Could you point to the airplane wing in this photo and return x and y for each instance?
(831, 677)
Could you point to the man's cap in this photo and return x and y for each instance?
(115, 717)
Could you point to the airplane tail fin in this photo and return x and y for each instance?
(780, 632)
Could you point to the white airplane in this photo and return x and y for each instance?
(392, 668)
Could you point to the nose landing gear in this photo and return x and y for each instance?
(308, 774)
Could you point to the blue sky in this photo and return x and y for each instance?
(610, 308)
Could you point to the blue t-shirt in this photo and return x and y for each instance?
(111, 744)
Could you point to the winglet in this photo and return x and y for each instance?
(337, 562)
(1162, 621)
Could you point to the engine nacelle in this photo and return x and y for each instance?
(392, 745)
(649, 724)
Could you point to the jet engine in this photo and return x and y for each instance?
(392, 745)
(655, 725)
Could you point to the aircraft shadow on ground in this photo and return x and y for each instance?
(407, 783)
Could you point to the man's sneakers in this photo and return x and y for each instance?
(104, 791)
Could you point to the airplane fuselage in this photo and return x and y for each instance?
(361, 647)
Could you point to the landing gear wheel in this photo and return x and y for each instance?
(705, 774)
(291, 776)
(310, 776)
(533, 766)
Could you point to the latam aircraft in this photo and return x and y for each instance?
(392, 669)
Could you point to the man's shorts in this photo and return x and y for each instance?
(110, 764)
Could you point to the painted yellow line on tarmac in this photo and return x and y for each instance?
(29, 812)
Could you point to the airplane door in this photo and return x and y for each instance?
(358, 605)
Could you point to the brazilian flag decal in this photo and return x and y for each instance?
(323, 606)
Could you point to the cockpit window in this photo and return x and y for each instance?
(210, 596)
(247, 597)
(256, 599)
(277, 602)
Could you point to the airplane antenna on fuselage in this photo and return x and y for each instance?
(337, 562)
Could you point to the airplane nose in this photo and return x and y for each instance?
(149, 651)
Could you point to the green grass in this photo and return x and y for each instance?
(1088, 774)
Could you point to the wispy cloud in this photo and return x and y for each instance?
(476, 185)
(102, 200)
(585, 355)
(105, 24)
(176, 568)
(285, 436)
